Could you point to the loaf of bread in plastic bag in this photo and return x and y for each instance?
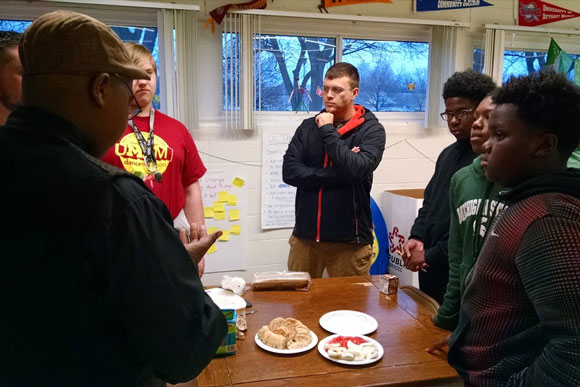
(281, 280)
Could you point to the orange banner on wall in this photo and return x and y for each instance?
(336, 3)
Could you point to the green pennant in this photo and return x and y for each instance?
(566, 61)
(577, 72)
(553, 51)
(558, 58)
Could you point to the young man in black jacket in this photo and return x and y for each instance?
(331, 160)
(426, 249)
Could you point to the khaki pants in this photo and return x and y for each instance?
(339, 259)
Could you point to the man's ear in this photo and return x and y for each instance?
(100, 87)
(354, 93)
(547, 144)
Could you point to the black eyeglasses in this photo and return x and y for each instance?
(133, 110)
(460, 115)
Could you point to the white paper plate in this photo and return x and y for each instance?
(348, 322)
(287, 351)
(351, 362)
(226, 299)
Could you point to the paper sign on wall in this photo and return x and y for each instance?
(277, 197)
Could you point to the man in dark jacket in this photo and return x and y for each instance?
(426, 248)
(96, 287)
(331, 160)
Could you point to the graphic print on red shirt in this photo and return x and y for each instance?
(175, 152)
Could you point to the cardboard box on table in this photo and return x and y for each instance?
(399, 208)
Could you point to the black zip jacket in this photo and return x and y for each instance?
(333, 203)
(432, 223)
(96, 289)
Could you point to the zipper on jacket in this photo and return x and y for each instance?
(319, 216)
(354, 207)
(353, 123)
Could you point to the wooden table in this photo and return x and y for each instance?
(405, 330)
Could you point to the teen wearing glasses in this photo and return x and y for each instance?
(331, 160)
(427, 245)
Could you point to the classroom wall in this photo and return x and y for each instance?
(408, 161)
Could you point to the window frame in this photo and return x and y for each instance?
(372, 28)
(501, 38)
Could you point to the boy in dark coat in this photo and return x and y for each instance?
(427, 245)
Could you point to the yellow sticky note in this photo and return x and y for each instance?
(219, 215)
(223, 196)
(211, 230)
(236, 229)
(218, 207)
(207, 212)
(234, 215)
(212, 249)
(238, 182)
(232, 200)
(225, 236)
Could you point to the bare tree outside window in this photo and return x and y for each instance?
(394, 74)
(289, 72)
(518, 63)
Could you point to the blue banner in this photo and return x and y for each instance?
(442, 5)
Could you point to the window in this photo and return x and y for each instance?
(522, 52)
(518, 63)
(478, 60)
(230, 71)
(14, 25)
(146, 36)
(290, 71)
(393, 74)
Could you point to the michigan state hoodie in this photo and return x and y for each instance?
(474, 203)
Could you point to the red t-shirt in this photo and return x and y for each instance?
(175, 152)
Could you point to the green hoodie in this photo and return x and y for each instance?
(469, 188)
(574, 160)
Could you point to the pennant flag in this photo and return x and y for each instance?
(442, 5)
(536, 12)
(558, 58)
(335, 3)
(218, 14)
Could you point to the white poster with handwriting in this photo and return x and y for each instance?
(224, 208)
(277, 196)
